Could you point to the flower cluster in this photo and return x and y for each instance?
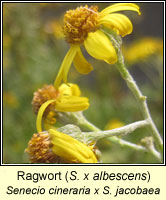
(82, 26)
(52, 146)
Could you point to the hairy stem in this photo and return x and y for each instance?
(79, 119)
(141, 100)
(135, 90)
(115, 132)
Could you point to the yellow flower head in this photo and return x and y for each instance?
(83, 26)
(142, 49)
(48, 101)
(55, 147)
(67, 98)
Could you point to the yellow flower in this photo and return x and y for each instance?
(114, 123)
(67, 98)
(53, 146)
(83, 26)
(142, 49)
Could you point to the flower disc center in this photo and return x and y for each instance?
(79, 22)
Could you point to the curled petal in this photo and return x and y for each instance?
(65, 66)
(100, 47)
(118, 22)
(69, 90)
(71, 149)
(119, 7)
(72, 104)
(81, 64)
(40, 114)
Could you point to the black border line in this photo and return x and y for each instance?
(98, 164)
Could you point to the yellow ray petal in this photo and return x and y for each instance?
(70, 148)
(75, 90)
(40, 114)
(120, 6)
(69, 90)
(65, 90)
(118, 22)
(81, 64)
(72, 104)
(65, 66)
(100, 47)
